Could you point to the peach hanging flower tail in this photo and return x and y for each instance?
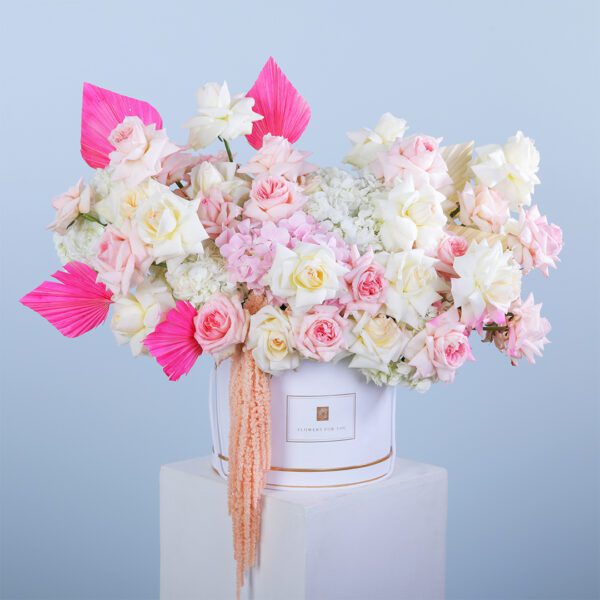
(249, 453)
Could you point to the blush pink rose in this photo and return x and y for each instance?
(278, 158)
(69, 206)
(483, 208)
(450, 247)
(139, 150)
(441, 348)
(418, 156)
(273, 199)
(320, 333)
(216, 213)
(122, 260)
(535, 243)
(366, 282)
(221, 324)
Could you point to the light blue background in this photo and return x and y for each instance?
(85, 427)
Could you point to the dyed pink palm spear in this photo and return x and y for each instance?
(173, 344)
(101, 112)
(74, 305)
(284, 110)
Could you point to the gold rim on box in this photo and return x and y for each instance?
(298, 470)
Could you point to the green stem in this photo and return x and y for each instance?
(179, 185)
(455, 212)
(495, 328)
(89, 217)
(227, 148)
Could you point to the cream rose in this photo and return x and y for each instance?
(136, 315)
(171, 226)
(376, 342)
(305, 276)
(271, 340)
(413, 287)
(488, 279)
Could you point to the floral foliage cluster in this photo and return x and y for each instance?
(393, 266)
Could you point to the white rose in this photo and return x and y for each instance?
(411, 217)
(367, 142)
(304, 276)
(220, 115)
(413, 288)
(510, 169)
(170, 225)
(488, 278)
(80, 242)
(376, 342)
(221, 175)
(271, 340)
(136, 315)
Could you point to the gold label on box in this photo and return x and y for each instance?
(327, 418)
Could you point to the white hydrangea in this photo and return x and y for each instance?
(398, 373)
(196, 280)
(346, 204)
(80, 242)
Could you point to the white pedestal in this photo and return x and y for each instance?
(385, 541)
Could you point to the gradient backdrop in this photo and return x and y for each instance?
(85, 427)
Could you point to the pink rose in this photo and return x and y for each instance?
(221, 324)
(525, 333)
(441, 348)
(69, 206)
(139, 150)
(418, 156)
(320, 333)
(272, 199)
(177, 166)
(123, 260)
(483, 208)
(449, 248)
(366, 282)
(535, 243)
(278, 158)
(216, 213)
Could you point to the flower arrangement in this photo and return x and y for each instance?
(391, 267)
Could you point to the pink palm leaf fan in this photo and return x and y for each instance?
(78, 303)
(286, 114)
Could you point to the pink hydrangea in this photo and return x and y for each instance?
(535, 243)
(418, 156)
(525, 336)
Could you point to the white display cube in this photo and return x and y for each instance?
(385, 541)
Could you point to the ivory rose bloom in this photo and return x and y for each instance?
(139, 150)
(278, 158)
(376, 342)
(368, 143)
(222, 176)
(76, 200)
(221, 324)
(272, 199)
(320, 333)
(411, 217)
(170, 225)
(220, 115)
(367, 283)
(271, 340)
(413, 287)
(136, 315)
(488, 280)
(483, 208)
(123, 259)
(510, 169)
(305, 276)
(535, 243)
(441, 348)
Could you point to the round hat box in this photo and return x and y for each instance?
(330, 428)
